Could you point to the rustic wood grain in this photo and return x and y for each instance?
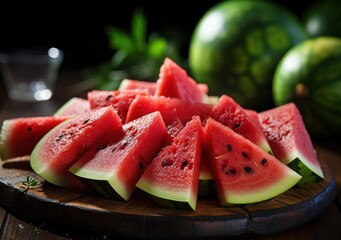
(330, 153)
(2, 216)
(140, 217)
(18, 229)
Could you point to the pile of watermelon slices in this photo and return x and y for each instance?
(169, 140)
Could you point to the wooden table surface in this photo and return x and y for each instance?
(326, 226)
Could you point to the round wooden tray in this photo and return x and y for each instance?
(141, 218)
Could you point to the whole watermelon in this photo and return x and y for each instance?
(236, 46)
(309, 74)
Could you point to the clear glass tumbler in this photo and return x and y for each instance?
(31, 74)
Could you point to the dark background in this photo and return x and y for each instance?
(79, 29)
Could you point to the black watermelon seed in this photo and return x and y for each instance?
(184, 164)
(237, 125)
(101, 147)
(141, 165)
(232, 171)
(229, 148)
(264, 161)
(109, 97)
(60, 137)
(86, 121)
(248, 169)
(228, 170)
(29, 129)
(245, 155)
(167, 162)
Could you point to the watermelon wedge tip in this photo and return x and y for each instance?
(172, 178)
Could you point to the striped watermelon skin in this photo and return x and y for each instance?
(239, 54)
(313, 83)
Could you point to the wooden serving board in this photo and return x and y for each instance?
(141, 218)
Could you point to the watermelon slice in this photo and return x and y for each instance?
(231, 114)
(19, 136)
(150, 87)
(65, 144)
(175, 83)
(172, 178)
(290, 141)
(119, 99)
(134, 84)
(73, 106)
(242, 171)
(114, 170)
(170, 108)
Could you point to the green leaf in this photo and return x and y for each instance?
(30, 181)
(157, 47)
(139, 29)
(119, 39)
(136, 56)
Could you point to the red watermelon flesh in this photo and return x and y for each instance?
(150, 87)
(170, 108)
(173, 129)
(119, 99)
(242, 171)
(134, 84)
(253, 116)
(175, 83)
(20, 135)
(65, 144)
(172, 178)
(122, 163)
(231, 114)
(290, 141)
(73, 106)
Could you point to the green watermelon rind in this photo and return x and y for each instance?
(301, 156)
(167, 197)
(271, 191)
(90, 174)
(72, 102)
(66, 178)
(310, 173)
(19, 136)
(104, 182)
(295, 154)
(3, 136)
(285, 179)
(189, 140)
(44, 170)
(107, 183)
(103, 178)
